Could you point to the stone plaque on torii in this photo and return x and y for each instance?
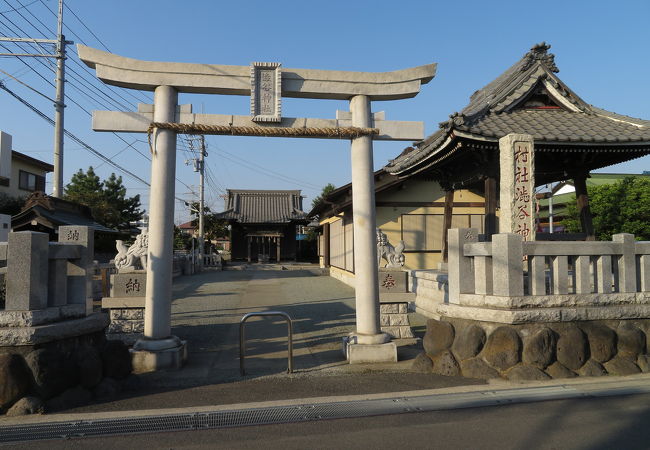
(266, 83)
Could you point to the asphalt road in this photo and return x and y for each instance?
(589, 423)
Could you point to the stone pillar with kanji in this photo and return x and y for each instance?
(517, 185)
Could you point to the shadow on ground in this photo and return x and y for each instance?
(206, 311)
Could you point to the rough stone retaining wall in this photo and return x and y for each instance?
(61, 374)
(487, 350)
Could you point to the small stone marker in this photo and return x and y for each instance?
(517, 197)
(79, 274)
(27, 264)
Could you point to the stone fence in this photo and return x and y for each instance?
(510, 281)
(49, 280)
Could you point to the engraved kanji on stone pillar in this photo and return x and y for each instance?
(266, 92)
(79, 270)
(517, 197)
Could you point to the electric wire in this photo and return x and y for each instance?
(75, 138)
(86, 88)
(72, 73)
(70, 135)
(26, 85)
(78, 105)
(128, 92)
(16, 9)
(73, 60)
(264, 171)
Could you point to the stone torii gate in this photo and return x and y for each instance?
(266, 84)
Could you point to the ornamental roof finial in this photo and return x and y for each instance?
(539, 52)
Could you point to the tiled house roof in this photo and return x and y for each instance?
(53, 212)
(528, 98)
(258, 206)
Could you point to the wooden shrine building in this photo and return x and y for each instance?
(263, 223)
(571, 137)
(46, 214)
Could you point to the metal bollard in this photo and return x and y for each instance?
(242, 339)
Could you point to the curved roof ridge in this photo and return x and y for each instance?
(641, 123)
(493, 111)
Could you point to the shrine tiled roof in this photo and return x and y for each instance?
(263, 206)
(527, 98)
(54, 212)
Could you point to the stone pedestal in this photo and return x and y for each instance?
(370, 353)
(126, 306)
(394, 299)
(149, 355)
(394, 314)
(127, 318)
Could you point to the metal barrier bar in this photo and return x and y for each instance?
(242, 339)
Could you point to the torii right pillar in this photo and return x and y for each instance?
(368, 343)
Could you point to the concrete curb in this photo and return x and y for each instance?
(496, 393)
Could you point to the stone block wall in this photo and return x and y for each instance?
(541, 351)
(127, 324)
(395, 320)
(431, 290)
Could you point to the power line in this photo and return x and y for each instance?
(81, 85)
(78, 140)
(84, 25)
(16, 9)
(84, 42)
(26, 85)
(70, 135)
(78, 77)
(264, 171)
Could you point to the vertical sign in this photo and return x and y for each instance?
(266, 92)
(517, 186)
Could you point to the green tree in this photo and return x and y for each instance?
(182, 241)
(213, 227)
(11, 205)
(324, 193)
(622, 207)
(106, 199)
(128, 207)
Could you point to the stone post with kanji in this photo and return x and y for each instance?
(517, 187)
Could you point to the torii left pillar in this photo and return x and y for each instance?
(160, 349)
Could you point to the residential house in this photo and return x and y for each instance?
(20, 175)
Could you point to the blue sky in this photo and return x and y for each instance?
(601, 49)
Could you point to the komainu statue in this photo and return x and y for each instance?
(127, 258)
(393, 255)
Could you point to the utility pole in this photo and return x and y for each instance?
(59, 104)
(199, 166)
(201, 203)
